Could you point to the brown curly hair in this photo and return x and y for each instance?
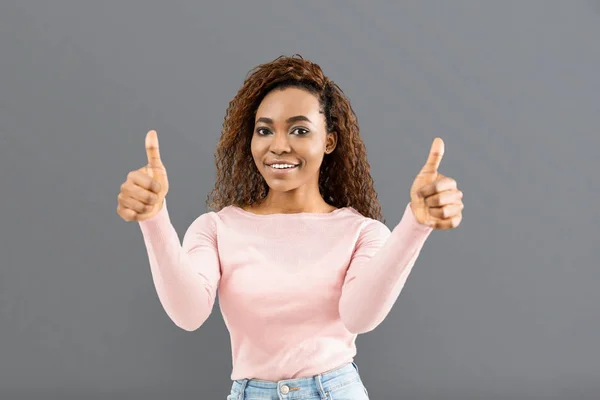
(344, 178)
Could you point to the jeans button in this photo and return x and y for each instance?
(285, 389)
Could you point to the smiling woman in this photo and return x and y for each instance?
(288, 112)
(294, 246)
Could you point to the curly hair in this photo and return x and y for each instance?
(344, 177)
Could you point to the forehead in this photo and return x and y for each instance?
(281, 104)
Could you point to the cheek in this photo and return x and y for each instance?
(314, 157)
(254, 150)
(312, 151)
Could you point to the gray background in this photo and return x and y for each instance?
(504, 307)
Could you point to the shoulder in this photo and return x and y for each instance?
(211, 220)
(368, 227)
(205, 224)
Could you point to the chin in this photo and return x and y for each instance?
(282, 186)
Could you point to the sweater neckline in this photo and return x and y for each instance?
(240, 210)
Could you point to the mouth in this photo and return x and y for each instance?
(282, 168)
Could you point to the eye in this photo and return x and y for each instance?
(301, 131)
(262, 131)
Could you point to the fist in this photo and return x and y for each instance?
(143, 192)
(435, 198)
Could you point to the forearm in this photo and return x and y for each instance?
(374, 287)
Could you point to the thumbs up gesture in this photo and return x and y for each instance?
(143, 193)
(435, 198)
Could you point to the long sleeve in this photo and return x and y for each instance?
(379, 267)
(186, 277)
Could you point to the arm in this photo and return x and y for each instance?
(379, 267)
(185, 276)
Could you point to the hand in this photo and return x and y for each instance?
(143, 193)
(435, 199)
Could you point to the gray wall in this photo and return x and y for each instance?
(504, 307)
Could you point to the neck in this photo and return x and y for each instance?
(291, 203)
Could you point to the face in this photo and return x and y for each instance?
(290, 139)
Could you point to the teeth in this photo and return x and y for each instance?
(282, 166)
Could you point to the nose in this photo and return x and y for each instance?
(280, 144)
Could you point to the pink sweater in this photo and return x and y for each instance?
(294, 289)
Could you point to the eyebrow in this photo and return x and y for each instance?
(296, 118)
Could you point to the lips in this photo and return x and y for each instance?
(282, 171)
(270, 163)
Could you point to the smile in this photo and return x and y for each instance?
(282, 168)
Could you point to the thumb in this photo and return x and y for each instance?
(435, 156)
(152, 150)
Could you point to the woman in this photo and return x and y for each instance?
(294, 242)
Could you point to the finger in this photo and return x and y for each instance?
(127, 214)
(153, 150)
(140, 194)
(447, 211)
(435, 156)
(444, 198)
(134, 204)
(144, 180)
(440, 185)
(448, 223)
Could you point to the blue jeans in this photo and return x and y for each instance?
(343, 383)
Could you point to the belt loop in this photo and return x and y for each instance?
(243, 384)
(324, 395)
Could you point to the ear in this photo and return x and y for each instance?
(330, 142)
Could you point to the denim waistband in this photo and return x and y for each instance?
(316, 386)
